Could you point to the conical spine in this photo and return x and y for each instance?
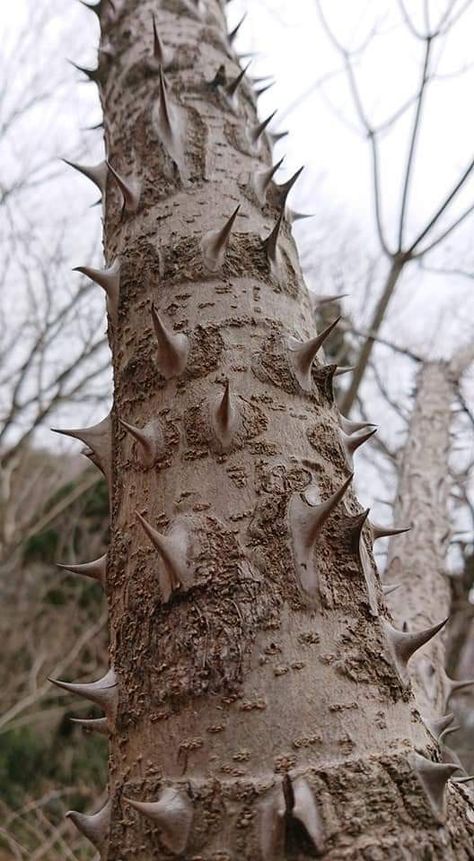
(173, 813)
(161, 55)
(103, 692)
(98, 438)
(175, 571)
(233, 33)
(404, 644)
(257, 132)
(109, 280)
(225, 418)
(173, 348)
(306, 522)
(95, 826)
(350, 427)
(270, 244)
(97, 173)
(96, 570)
(434, 777)
(387, 531)
(150, 441)
(303, 353)
(214, 244)
(261, 181)
(129, 189)
(350, 443)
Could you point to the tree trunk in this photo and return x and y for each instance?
(263, 709)
(417, 560)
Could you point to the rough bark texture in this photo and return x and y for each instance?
(417, 559)
(258, 698)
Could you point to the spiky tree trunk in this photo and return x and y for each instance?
(260, 708)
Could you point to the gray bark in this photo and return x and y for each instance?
(259, 702)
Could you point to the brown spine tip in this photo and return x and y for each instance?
(96, 569)
(404, 644)
(150, 441)
(257, 132)
(233, 33)
(303, 353)
(172, 813)
(434, 777)
(387, 531)
(173, 348)
(95, 826)
(231, 88)
(214, 244)
(270, 244)
(130, 190)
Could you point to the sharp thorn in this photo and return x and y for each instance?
(303, 353)
(97, 173)
(173, 348)
(258, 131)
(225, 418)
(233, 33)
(214, 244)
(96, 569)
(433, 777)
(130, 191)
(173, 813)
(404, 644)
(150, 441)
(175, 571)
(94, 826)
(270, 244)
(103, 692)
(109, 280)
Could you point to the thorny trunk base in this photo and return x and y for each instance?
(263, 709)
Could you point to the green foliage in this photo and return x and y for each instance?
(31, 761)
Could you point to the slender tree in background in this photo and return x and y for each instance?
(257, 699)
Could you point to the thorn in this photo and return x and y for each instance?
(261, 180)
(318, 302)
(350, 443)
(259, 91)
(358, 522)
(292, 215)
(173, 814)
(225, 418)
(109, 280)
(150, 441)
(285, 188)
(93, 75)
(214, 244)
(130, 191)
(404, 644)
(173, 348)
(270, 244)
(96, 570)
(98, 725)
(232, 87)
(291, 816)
(97, 173)
(98, 438)
(436, 726)
(350, 427)
(387, 590)
(275, 137)
(175, 571)
(341, 369)
(306, 523)
(386, 531)
(94, 826)
(257, 132)
(161, 55)
(233, 33)
(303, 354)
(103, 692)
(464, 779)
(434, 777)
